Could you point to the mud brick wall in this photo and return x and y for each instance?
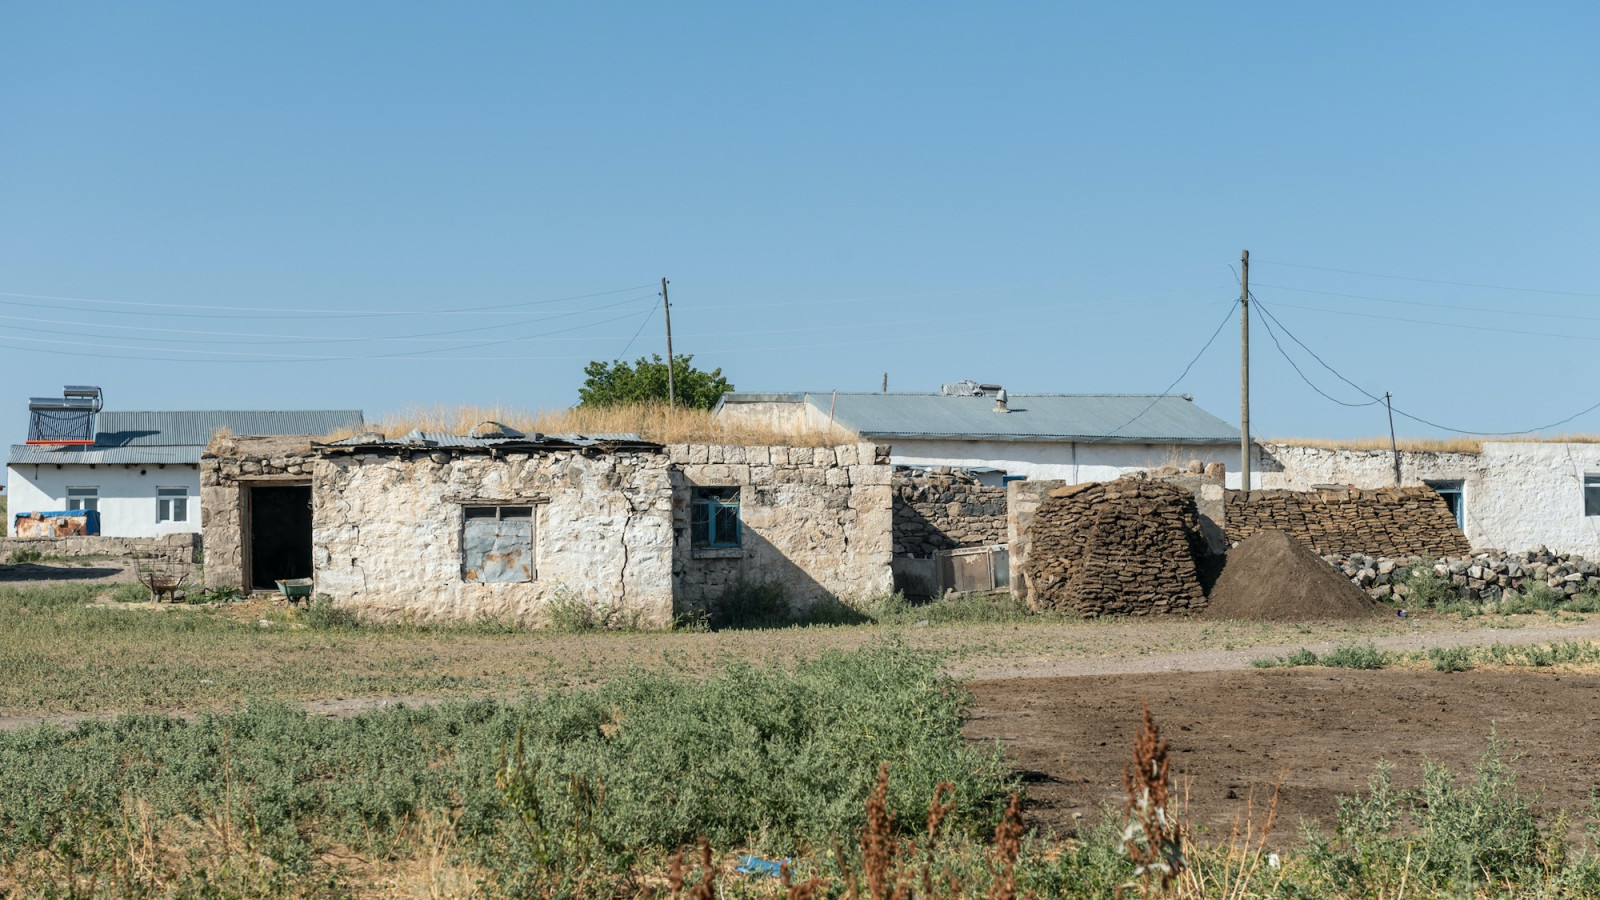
(1125, 547)
(1393, 522)
(944, 508)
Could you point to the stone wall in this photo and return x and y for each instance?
(387, 533)
(226, 468)
(1386, 522)
(1127, 547)
(174, 549)
(1481, 576)
(817, 520)
(944, 508)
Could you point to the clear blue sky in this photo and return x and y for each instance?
(1047, 195)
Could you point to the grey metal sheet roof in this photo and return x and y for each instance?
(35, 454)
(445, 440)
(195, 427)
(1161, 419)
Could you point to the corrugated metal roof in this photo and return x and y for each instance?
(444, 440)
(1090, 418)
(195, 427)
(25, 454)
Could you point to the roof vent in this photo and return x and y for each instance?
(1000, 400)
(68, 420)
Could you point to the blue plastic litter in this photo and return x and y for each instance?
(755, 865)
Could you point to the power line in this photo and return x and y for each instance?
(1181, 375)
(1450, 306)
(1436, 324)
(1419, 419)
(1471, 284)
(636, 334)
(1267, 321)
(335, 313)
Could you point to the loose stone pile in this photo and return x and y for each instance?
(1389, 522)
(1481, 576)
(944, 508)
(1124, 547)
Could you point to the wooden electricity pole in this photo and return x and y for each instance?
(1394, 448)
(1244, 375)
(666, 308)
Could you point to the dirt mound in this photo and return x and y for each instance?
(1272, 576)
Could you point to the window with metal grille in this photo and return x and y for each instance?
(714, 517)
(497, 544)
(172, 504)
(83, 498)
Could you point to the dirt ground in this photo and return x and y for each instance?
(1318, 732)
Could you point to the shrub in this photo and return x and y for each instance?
(1429, 589)
(1355, 656)
(21, 557)
(747, 605)
(1451, 659)
(325, 615)
(569, 612)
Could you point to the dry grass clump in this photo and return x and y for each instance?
(653, 422)
(1433, 445)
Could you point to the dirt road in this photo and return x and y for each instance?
(1318, 732)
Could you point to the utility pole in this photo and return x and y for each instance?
(1394, 448)
(666, 308)
(1244, 375)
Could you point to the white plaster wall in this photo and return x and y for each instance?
(386, 533)
(1071, 462)
(127, 495)
(1515, 496)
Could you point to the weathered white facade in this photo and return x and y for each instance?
(395, 527)
(1071, 462)
(1515, 495)
(126, 495)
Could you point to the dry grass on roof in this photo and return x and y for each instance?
(1442, 445)
(652, 422)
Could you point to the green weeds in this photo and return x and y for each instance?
(1345, 656)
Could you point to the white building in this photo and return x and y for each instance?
(1507, 495)
(1071, 437)
(142, 471)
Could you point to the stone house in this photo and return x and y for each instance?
(438, 527)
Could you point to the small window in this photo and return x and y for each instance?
(83, 498)
(1451, 491)
(497, 544)
(172, 504)
(714, 517)
(1591, 495)
(1007, 479)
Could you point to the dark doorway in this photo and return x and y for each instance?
(280, 534)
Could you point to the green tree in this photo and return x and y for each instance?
(617, 383)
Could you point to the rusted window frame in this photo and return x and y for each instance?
(527, 511)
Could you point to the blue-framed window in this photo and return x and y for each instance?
(714, 517)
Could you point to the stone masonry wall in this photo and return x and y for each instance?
(944, 508)
(387, 533)
(1482, 576)
(1393, 522)
(1125, 547)
(174, 549)
(225, 469)
(817, 520)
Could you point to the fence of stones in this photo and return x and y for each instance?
(1388, 522)
(944, 508)
(1125, 547)
(174, 549)
(1481, 576)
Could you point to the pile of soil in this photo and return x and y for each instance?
(1272, 576)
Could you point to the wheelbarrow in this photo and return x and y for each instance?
(295, 590)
